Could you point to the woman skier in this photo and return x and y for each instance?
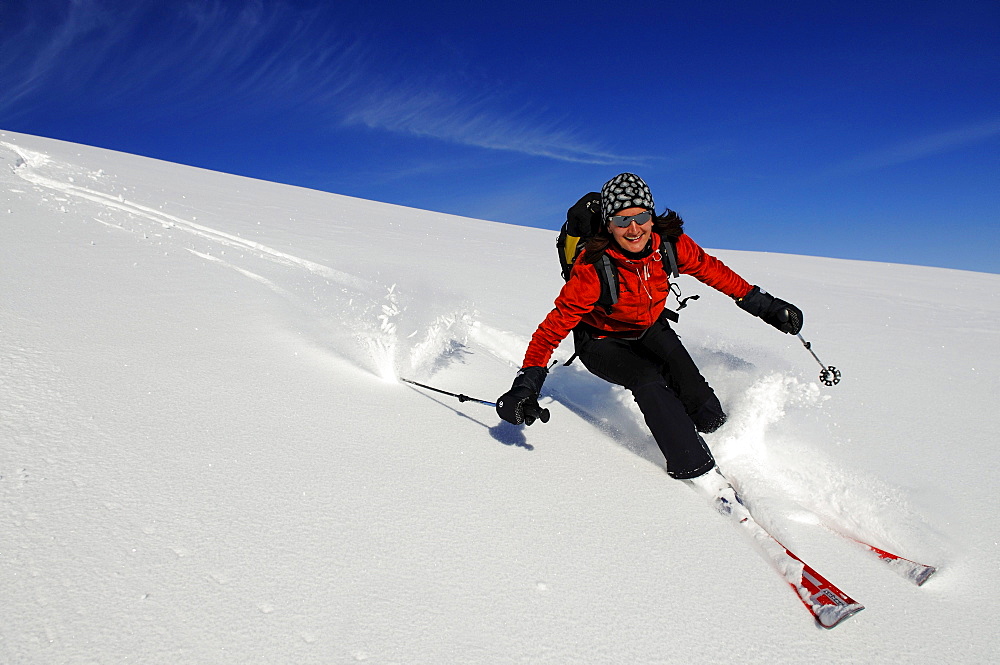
(631, 343)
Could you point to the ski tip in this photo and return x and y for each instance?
(829, 616)
(918, 573)
(923, 575)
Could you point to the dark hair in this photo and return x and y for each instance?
(667, 225)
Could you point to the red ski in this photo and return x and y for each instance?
(918, 573)
(827, 603)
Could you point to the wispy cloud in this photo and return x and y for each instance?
(184, 60)
(482, 120)
(36, 44)
(192, 57)
(925, 146)
(263, 55)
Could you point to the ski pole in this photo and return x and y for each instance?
(461, 398)
(541, 414)
(829, 374)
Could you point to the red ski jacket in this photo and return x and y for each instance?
(641, 299)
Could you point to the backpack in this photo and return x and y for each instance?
(584, 220)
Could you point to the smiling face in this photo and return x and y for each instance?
(632, 238)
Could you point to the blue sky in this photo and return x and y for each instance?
(867, 130)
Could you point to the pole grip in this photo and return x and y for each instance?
(533, 412)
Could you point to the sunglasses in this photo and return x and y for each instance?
(624, 221)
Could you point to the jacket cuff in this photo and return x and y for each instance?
(531, 378)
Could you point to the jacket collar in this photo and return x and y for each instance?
(616, 253)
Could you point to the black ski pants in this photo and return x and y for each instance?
(674, 398)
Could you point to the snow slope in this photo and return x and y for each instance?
(205, 456)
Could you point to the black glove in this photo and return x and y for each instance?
(520, 403)
(784, 316)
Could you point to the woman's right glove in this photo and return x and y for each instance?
(784, 316)
(520, 403)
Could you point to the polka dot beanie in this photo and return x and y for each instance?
(625, 190)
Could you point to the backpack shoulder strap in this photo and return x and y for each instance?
(668, 252)
(608, 277)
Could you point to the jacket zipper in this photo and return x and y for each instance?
(643, 280)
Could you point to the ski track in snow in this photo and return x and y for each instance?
(368, 312)
(756, 448)
(364, 310)
(32, 161)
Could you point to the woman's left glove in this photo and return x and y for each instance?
(784, 316)
(520, 403)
